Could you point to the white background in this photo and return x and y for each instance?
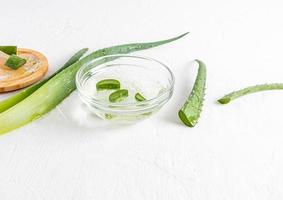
(234, 152)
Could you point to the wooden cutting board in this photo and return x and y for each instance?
(34, 70)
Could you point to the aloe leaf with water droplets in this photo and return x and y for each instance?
(190, 112)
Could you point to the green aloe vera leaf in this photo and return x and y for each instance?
(190, 112)
(249, 90)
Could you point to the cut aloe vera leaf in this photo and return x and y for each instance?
(108, 84)
(139, 97)
(13, 100)
(118, 95)
(249, 90)
(60, 86)
(190, 112)
(15, 62)
(10, 50)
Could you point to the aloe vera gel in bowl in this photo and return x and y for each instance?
(125, 88)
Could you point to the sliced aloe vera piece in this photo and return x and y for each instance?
(118, 95)
(10, 50)
(139, 97)
(108, 84)
(15, 62)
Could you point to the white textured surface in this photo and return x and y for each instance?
(235, 152)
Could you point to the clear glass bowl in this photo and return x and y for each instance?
(149, 77)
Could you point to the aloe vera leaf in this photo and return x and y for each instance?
(190, 112)
(60, 86)
(14, 99)
(249, 90)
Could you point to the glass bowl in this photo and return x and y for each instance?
(147, 76)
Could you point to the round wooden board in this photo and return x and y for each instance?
(34, 69)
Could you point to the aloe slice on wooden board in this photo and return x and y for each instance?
(15, 62)
(60, 86)
(190, 112)
(10, 50)
(14, 99)
(249, 90)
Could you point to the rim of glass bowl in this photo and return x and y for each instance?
(146, 104)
